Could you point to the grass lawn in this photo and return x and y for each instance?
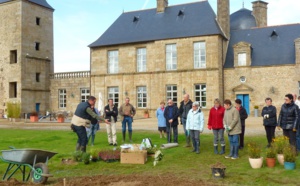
(177, 161)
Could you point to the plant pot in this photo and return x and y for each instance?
(271, 162)
(34, 119)
(146, 115)
(289, 165)
(218, 172)
(256, 163)
(60, 120)
(280, 159)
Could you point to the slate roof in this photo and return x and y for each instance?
(242, 19)
(43, 3)
(198, 19)
(272, 45)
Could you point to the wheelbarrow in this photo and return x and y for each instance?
(34, 159)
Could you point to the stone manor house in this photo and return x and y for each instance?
(152, 55)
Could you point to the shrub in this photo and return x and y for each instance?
(254, 150)
(289, 153)
(13, 109)
(279, 143)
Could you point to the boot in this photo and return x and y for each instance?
(194, 145)
(235, 152)
(130, 137)
(197, 147)
(124, 136)
(188, 141)
(77, 147)
(216, 149)
(222, 149)
(83, 148)
(231, 152)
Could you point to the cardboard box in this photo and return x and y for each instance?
(133, 156)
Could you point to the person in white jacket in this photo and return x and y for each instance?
(194, 125)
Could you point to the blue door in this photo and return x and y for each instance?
(37, 107)
(245, 101)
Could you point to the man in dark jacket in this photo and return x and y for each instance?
(243, 116)
(288, 118)
(81, 119)
(111, 114)
(270, 120)
(185, 107)
(171, 114)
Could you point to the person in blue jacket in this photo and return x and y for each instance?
(194, 125)
(162, 127)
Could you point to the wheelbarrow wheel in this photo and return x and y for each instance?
(40, 168)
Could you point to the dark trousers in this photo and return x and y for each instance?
(242, 137)
(195, 135)
(270, 132)
(291, 135)
(175, 133)
(81, 133)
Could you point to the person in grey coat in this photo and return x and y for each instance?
(232, 124)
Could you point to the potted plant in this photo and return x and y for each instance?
(77, 156)
(146, 113)
(290, 154)
(255, 111)
(110, 155)
(279, 143)
(60, 118)
(271, 157)
(94, 154)
(218, 170)
(157, 157)
(255, 159)
(34, 116)
(86, 158)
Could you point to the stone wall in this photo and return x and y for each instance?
(72, 82)
(269, 81)
(156, 77)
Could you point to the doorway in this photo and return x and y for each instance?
(245, 101)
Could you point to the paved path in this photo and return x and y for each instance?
(253, 125)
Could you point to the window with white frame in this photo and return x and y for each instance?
(113, 61)
(141, 59)
(172, 93)
(84, 94)
(113, 93)
(199, 55)
(242, 59)
(142, 97)
(62, 98)
(171, 57)
(200, 94)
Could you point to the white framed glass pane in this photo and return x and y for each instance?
(113, 93)
(171, 93)
(200, 94)
(199, 55)
(171, 57)
(142, 97)
(242, 59)
(113, 61)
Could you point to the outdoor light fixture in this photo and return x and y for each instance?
(72, 95)
(183, 91)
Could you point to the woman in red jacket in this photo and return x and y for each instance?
(215, 122)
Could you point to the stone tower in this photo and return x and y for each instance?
(26, 53)
(260, 12)
(223, 16)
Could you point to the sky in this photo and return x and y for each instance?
(79, 23)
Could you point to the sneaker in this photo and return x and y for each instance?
(233, 158)
(110, 144)
(228, 156)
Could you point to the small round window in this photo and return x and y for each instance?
(243, 79)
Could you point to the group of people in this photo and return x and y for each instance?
(85, 121)
(227, 118)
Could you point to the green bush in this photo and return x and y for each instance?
(13, 109)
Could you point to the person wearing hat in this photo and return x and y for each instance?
(194, 125)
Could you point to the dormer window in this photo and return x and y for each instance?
(180, 13)
(242, 54)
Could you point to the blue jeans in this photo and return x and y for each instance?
(183, 120)
(127, 120)
(81, 133)
(234, 140)
(92, 132)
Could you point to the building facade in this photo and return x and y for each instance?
(151, 56)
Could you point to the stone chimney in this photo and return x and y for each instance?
(260, 12)
(161, 5)
(223, 16)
